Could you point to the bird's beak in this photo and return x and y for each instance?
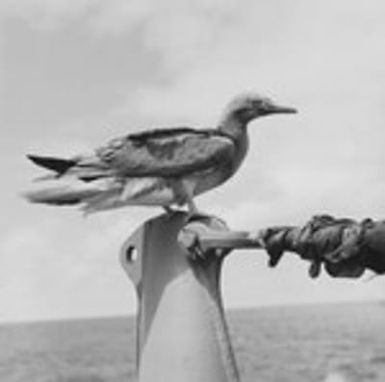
(276, 109)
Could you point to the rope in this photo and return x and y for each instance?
(344, 247)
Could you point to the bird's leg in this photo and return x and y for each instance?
(179, 190)
(193, 211)
(184, 195)
(192, 207)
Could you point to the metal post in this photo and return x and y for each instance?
(181, 328)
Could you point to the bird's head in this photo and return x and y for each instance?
(246, 107)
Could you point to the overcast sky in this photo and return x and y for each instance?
(77, 72)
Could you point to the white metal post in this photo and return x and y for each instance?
(181, 327)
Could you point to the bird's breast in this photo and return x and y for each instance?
(208, 179)
(241, 149)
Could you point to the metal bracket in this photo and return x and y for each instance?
(181, 328)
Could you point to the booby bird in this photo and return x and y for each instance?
(162, 167)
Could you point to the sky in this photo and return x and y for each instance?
(75, 73)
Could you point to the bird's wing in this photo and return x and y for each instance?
(167, 152)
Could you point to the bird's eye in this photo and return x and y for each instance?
(256, 104)
(264, 105)
(245, 113)
(244, 110)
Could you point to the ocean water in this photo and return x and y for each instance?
(331, 343)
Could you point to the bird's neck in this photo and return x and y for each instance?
(237, 131)
(233, 127)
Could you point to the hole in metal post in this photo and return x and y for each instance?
(131, 254)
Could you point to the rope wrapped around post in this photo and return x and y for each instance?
(345, 247)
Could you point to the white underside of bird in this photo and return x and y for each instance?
(144, 191)
(110, 192)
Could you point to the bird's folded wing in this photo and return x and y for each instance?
(164, 153)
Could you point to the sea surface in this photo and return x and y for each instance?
(334, 343)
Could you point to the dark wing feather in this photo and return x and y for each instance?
(168, 152)
(143, 136)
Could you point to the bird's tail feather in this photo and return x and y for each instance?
(58, 165)
(102, 202)
(44, 178)
(88, 174)
(60, 196)
(86, 168)
(69, 191)
(97, 195)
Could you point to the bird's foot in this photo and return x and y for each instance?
(169, 210)
(194, 213)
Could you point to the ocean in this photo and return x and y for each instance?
(312, 343)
